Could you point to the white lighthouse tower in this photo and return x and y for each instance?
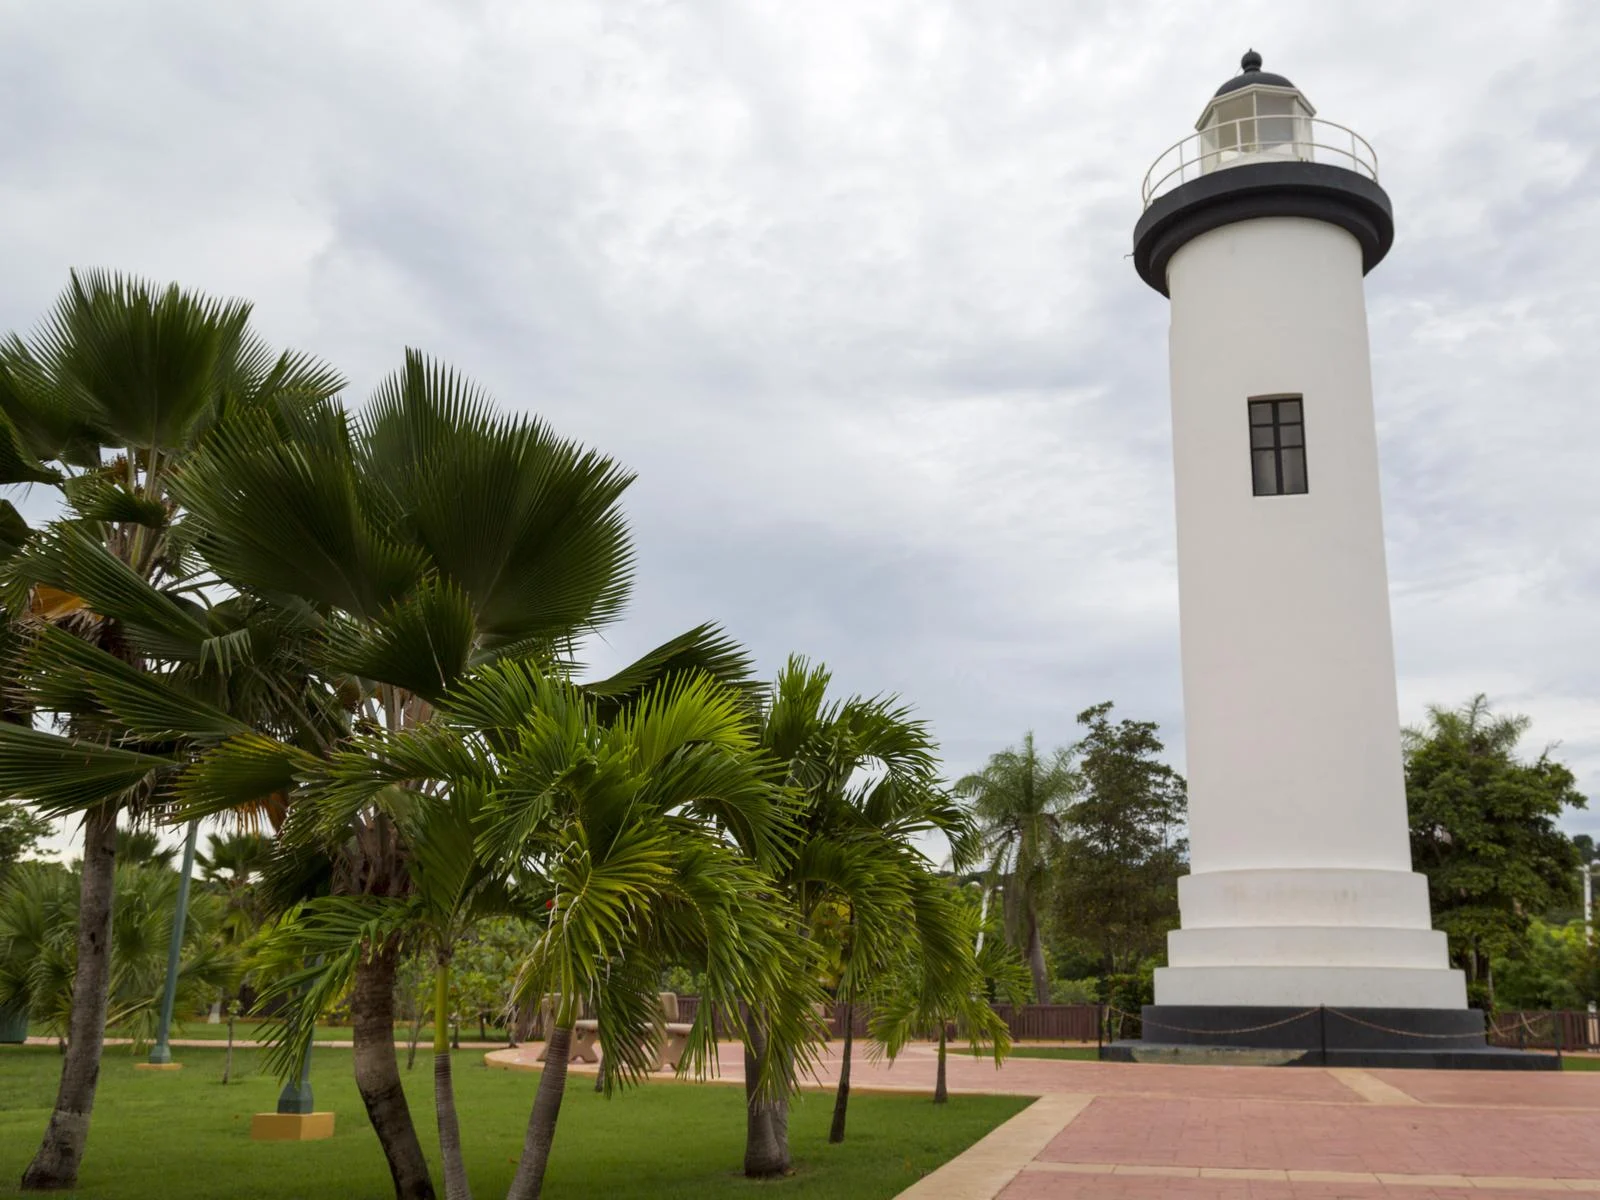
(1302, 912)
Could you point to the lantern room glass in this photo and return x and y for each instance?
(1253, 124)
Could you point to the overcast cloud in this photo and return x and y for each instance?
(847, 284)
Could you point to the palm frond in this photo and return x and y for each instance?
(64, 774)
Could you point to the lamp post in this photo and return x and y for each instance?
(1587, 870)
(296, 1095)
(296, 1118)
(161, 1052)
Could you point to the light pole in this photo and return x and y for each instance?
(295, 1119)
(161, 1052)
(1587, 870)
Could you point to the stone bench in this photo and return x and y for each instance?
(673, 1044)
(585, 1045)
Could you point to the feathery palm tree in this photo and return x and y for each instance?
(623, 821)
(865, 774)
(1018, 801)
(925, 996)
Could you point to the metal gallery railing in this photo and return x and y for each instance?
(1261, 138)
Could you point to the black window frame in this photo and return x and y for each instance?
(1287, 431)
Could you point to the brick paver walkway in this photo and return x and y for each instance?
(1137, 1131)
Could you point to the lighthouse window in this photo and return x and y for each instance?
(1277, 447)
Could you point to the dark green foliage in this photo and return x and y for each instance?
(1483, 829)
(21, 832)
(1554, 967)
(1117, 866)
(38, 946)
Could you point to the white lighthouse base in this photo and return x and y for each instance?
(1312, 966)
(1308, 987)
(1347, 937)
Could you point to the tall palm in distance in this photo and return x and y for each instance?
(143, 848)
(1019, 801)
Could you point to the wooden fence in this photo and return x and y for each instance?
(1569, 1030)
(1076, 1023)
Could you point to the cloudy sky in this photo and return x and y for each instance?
(847, 284)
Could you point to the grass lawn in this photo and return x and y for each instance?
(1075, 1053)
(1571, 1063)
(183, 1136)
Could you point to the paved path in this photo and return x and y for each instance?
(1142, 1131)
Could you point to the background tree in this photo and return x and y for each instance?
(38, 947)
(1483, 830)
(1019, 801)
(21, 831)
(142, 847)
(1555, 968)
(1115, 877)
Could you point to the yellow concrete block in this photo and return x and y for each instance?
(291, 1127)
(172, 1066)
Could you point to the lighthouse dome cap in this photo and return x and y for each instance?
(1250, 74)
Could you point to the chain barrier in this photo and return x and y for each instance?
(1502, 1031)
(1299, 1016)
(1401, 1032)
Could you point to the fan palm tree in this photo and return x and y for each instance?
(233, 864)
(105, 403)
(419, 541)
(38, 947)
(1019, 800)
(143, 848)
(865, 774)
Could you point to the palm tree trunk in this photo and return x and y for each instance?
(1041, 974)
(55, 1165)
(766, 1131)
(529, 1179)
(841, 1098)
(444, 1092)
(378, 1075)
(941, 1093)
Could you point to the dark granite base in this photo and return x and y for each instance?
(1352, 1037)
